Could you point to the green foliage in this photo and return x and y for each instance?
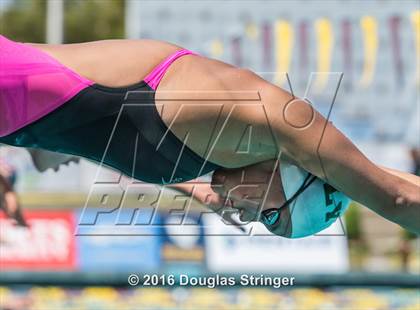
(84, 20)
(24, 21)
(353, 222)
(90, 20)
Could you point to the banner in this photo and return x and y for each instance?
(226, 251)
(48, 243)
(183, 242)
(125, 252)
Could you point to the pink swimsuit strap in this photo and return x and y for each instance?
(153, 78)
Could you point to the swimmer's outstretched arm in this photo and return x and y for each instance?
(318, 146)
(403, 175)
(323, 150)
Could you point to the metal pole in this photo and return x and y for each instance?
(55, 16)
(132, 19)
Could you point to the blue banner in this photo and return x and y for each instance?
(131, 252)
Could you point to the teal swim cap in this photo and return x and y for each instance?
(313, 204)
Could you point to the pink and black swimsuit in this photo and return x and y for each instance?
(44, 104)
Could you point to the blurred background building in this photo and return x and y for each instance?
(358, 62)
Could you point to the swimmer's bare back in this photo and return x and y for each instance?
(251, 119)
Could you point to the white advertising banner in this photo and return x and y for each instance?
(228, 251)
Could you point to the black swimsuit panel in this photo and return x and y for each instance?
(124, 132)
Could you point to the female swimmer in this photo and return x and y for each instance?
(164, 115)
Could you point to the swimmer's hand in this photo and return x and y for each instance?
(252, 190)
(206, 196)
